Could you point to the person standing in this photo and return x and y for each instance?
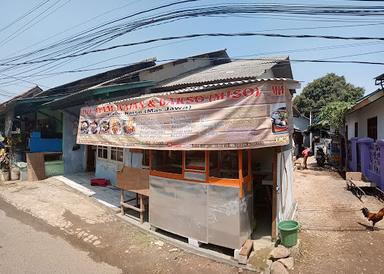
(306, 152)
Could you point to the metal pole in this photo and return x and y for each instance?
(310, 132)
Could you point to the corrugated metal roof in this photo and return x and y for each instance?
(294, 83)
(219, 56)
(29, 93)
(70, 99)
(94, 80)
(380, 77)
(239, 69)
(216, 57)
(227, 84)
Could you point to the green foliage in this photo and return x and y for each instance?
(327, 89)
(333, 114)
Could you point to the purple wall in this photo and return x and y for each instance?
(367, 156)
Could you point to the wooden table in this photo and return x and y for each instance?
(134, 180)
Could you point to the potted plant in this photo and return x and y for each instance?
(4, 164)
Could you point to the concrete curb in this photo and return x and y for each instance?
(72, 184)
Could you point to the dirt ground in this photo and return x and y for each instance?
(335, 237)
(52, 207)
(33, 249)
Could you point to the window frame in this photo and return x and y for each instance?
(191, 169)
(144, 151)
(372, 129)
(166, 174)
(102, 148)
(109, 153)
(117, 149)
(234, 182)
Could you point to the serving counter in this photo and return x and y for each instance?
(204, 212)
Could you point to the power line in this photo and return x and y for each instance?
(80, 24)
(25, 27)
(89, 40)
(85, 36)
(83, 68)
(334, 26)
(242, 34)
(113, 32)
(242, 57)
(21, 79)
(264, 59)
(84, 45)
(24, 15)
(352, 55)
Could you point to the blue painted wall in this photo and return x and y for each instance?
(74, 160)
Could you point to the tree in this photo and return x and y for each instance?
(327, 89)
(333, 114)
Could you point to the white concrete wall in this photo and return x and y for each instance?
(107, 169)
(362, 115)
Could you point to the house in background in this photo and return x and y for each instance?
(301, 134)
(8, 108)
(364, 125)
(37, 130)
(366, 117)
(104, 161)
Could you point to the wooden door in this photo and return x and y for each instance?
(372, 128)
(91, 158)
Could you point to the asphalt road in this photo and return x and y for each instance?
(25, 249)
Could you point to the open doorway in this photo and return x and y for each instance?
(91, 158)
(262, 171)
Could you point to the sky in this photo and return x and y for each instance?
(56, 20)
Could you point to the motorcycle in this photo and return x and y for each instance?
(320, 157)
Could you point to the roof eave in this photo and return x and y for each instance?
(366, 101)
(81, 96)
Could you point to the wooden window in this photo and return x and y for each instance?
(224, 164)
(194, 166)
(214, 167)
(195, 160)
(102, 152)
(356, 129)
(145, 160)
(372, 128)
(117, 154)
(167, 161)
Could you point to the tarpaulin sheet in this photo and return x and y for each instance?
(246, 116)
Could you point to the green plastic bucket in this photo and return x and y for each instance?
(288, 232)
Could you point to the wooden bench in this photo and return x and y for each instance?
(355, 182)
